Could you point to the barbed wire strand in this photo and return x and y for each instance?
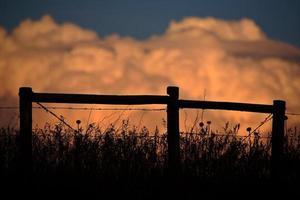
(84, 108)
(224, 135)
(47, 109)
(290, 113)
(9, 107)
(268, 118)
(52, 113)
(88, 108)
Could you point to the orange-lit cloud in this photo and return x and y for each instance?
(231, 60)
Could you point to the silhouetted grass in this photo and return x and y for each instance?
(129, 157)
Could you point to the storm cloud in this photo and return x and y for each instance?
(230, 60)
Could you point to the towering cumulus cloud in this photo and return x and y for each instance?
(231, 60)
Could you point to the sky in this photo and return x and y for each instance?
(238, 51)
(279, 19)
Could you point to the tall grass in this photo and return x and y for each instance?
(125, 151)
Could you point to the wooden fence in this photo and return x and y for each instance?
(27, 96)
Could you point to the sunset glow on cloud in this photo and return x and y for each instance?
(230, 60)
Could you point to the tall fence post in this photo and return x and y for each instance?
(277, 138)
(173, 131)
(25, 102)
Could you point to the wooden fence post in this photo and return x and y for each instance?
(25, 102)
(173, 131)
(277, 138)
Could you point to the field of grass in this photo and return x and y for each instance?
(127, 159)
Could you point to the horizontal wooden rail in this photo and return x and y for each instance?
(247, 107)
(100, 99)
(27, 96)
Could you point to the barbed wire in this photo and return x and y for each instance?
(290, 113)
(52, 113)
(9, 107)
(222, 135)
(268, 118)
(85, 108)
(47, 109)
(101, 108)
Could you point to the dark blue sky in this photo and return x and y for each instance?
(279, 19)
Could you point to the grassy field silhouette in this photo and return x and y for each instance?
(134, 162)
